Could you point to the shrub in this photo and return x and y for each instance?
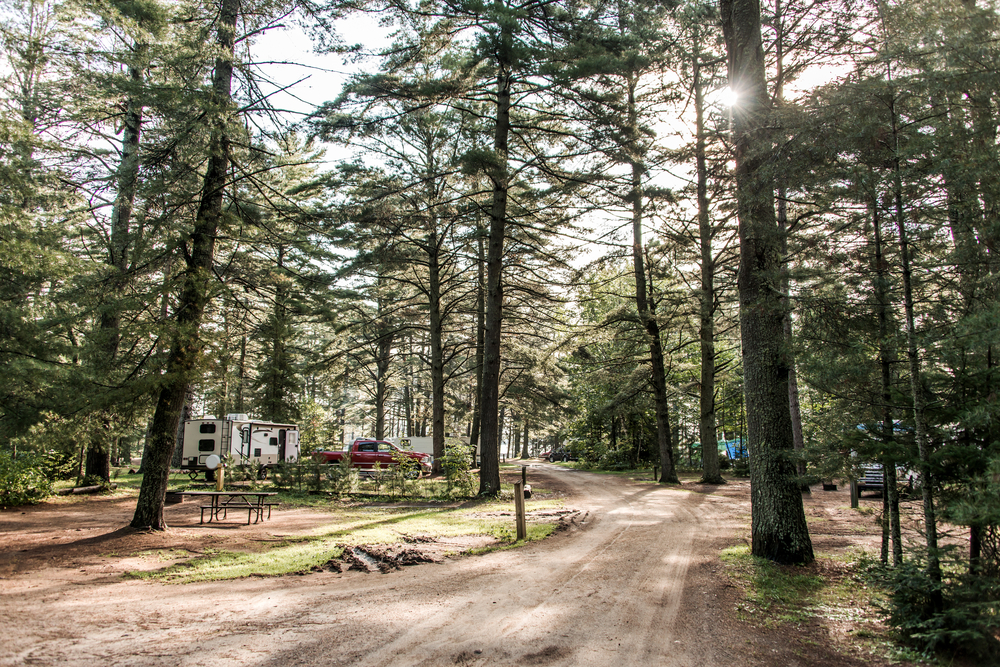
(26, 479)
(405, 468)
(967, 621)
(457, 469)
(343, 477)
(307, 475)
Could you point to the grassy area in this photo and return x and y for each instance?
(773, 594)
(359, 525)
(373, 513)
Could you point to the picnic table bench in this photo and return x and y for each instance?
(220, 502)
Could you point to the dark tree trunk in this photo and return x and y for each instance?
(916, 383)
(798, 440)
(435, 317)
(778, 523)
(98, 464)
(474, 429)
(644, 307)
(489, 473)
(710, 473)
(186, 343)
(382, 363)
(891, 529)
(524, 443)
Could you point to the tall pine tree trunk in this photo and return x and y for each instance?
(778, 522)
(798, 440)
(489, 473)
(647, 316)
(916, 379)
(474, 429)
(710, 472)
(186, 341)
(98, 461)
(434, 315)
(524, 442)
(890, 510)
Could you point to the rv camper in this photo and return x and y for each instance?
(246, 440)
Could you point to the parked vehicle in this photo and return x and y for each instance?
(870, 477)
(246, 440)
(562, 454)
(366, 454)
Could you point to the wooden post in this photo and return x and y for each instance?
(854, 493)
(524, 475)
(522, 528)
(656, 474)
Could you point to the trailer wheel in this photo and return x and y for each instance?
(209, 475)
(262, 473)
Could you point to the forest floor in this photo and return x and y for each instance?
(637, 575)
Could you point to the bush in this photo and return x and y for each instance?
(616, 459)
(307, 475)
(967, 621)
(28, 478)
(457, 469)
(343, 477)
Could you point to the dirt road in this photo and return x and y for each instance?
(633, 582)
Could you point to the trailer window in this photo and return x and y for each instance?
(273, 442)
(207, 428)
(256, 452)
(206, 445)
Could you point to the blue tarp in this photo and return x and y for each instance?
(735, 449)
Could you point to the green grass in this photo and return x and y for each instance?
(773, 593)
(351, 526)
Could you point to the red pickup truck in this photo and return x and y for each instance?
(365, 453)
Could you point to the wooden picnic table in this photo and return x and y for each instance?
(254, 502)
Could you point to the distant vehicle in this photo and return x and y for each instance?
(562, 454)
(870, 477)
(246, 440)
(366, 454)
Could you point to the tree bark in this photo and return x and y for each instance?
(489, 473)
(524, 443)
(474, 429)
(891, 528)
(916, 381)
(710, 472)
(186, 341)
(98, 460)
(647, 316)
(435, 316)
(778, 523)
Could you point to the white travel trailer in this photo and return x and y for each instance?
(246, 440)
